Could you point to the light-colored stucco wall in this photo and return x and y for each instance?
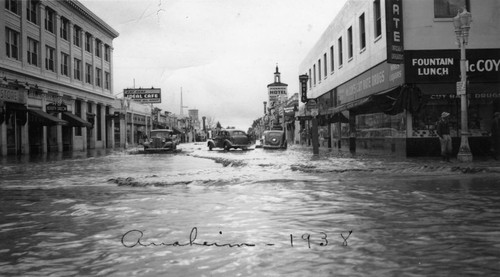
(424, 32)
(363, 59)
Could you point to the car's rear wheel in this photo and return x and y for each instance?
(210, 147)
(226, 146)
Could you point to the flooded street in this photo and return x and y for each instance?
(246, 213)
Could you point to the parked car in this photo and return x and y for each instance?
(229, 138)
(274, 139)
(161, 140)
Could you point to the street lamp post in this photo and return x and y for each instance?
(462, 23)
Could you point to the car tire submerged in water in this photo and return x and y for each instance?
(226, 146)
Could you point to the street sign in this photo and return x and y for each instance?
(56, 107)
(460, 88)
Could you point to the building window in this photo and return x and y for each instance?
(377, 16)
(49, 58)
(99, 124)
(77, 36)
(107, 52)
(13, 6)
(50, 16)
(314, 74)
(449, 9)
(349, 43)
(32, 11)
(107, 80)
(339, 47)
(32, 52)
(332, 59)
(77, 69)
(310, 77)
(64, 28)
(98, 46)
(326, 66)
(319, 71)
(88, 73)
(12, 43)
(98, 77)
(78, 112)
(88, 44)
(64, 64)
(362, 32)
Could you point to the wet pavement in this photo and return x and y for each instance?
(247, 213)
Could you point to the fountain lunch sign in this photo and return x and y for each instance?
(443, 66)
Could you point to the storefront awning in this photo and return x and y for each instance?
(392, 101)
(374, 103)
(338, 117)
(176, 130)
(40, 117)
(75, 121)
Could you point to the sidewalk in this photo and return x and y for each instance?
(479, 163)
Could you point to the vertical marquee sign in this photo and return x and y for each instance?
(303, 87)
(394, 30)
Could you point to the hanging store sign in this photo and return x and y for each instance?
(394, 31)
(11, 95)
(443, 66)
(152, 95)
(56, 108)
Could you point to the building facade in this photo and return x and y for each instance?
(277, 98)
(56, 72)
(384, 70)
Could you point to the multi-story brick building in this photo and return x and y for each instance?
(56, 73)
(384, 70)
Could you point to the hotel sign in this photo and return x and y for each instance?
(443, 66)
(152, 95)
(394, 30)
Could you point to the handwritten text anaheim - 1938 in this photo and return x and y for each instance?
(133, 238)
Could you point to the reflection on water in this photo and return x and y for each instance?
(68, 215)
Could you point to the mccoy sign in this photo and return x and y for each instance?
(443, 66)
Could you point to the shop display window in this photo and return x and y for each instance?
(381, 125)
(480, 112)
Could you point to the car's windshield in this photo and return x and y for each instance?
(239, 133)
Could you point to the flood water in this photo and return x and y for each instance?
(246, 213)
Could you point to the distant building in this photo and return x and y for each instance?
(277, 91)
(56, 74)
(277, 96)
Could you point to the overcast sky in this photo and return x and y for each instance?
(223, 53)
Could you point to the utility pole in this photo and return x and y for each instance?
(182, 106)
